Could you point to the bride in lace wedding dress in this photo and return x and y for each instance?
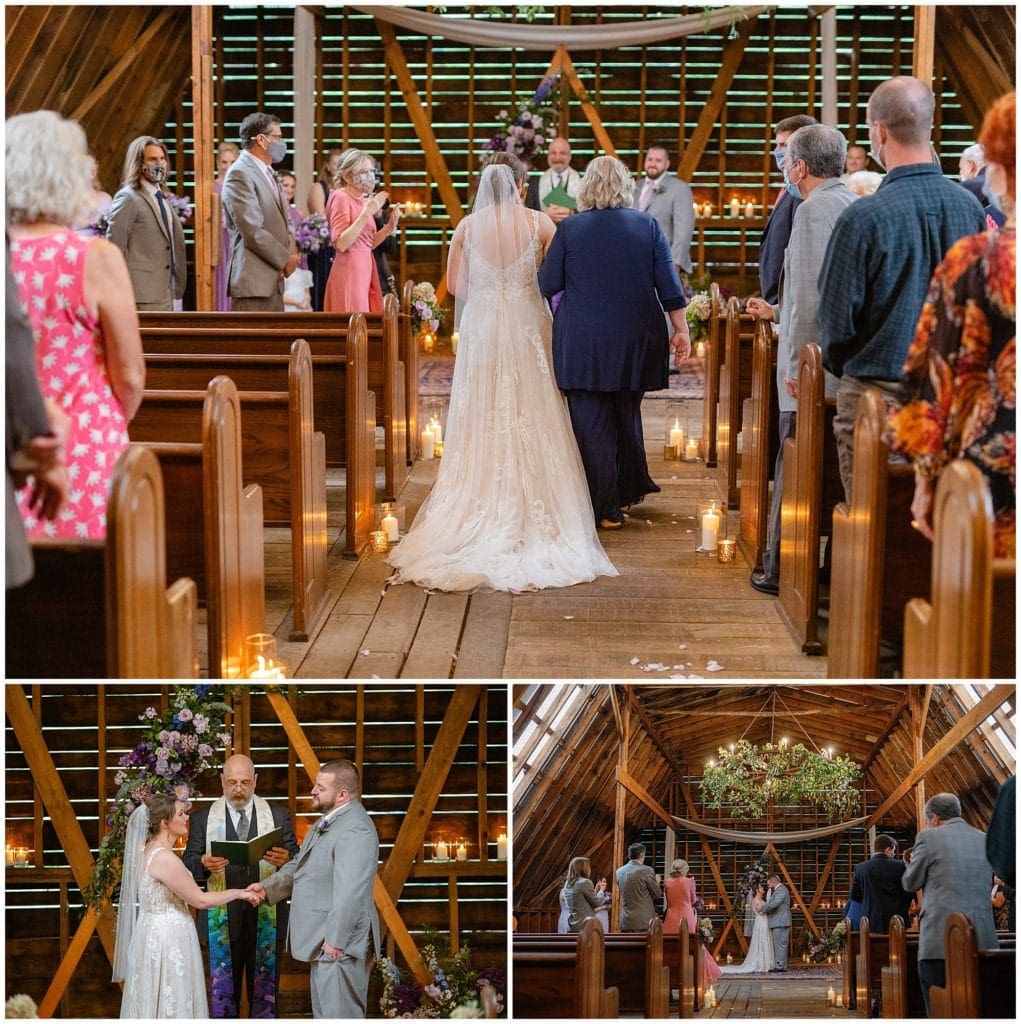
(760, 956)
(510, 508)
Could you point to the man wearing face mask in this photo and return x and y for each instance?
(781, 218)
(882, 254)
(143, 225)
(262, 251)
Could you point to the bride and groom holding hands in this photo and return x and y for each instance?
(770, 934)
(544, 442)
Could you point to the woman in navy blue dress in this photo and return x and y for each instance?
(610, 337)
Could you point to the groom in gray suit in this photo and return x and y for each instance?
(333, 923)
(262, 249)
(778, 913)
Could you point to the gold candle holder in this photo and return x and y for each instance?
(437, 449)
(726, 550)
(670, 452)
(380, 545)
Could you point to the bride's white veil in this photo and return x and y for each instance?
(494, 236)
(131, 873)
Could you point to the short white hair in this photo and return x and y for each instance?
(864, 183)
(49, 169)
(976, 154)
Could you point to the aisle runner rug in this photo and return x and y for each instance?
(816, 973)
(436, 372)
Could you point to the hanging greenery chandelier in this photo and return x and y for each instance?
(746, 777)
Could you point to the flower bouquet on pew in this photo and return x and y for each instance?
(426, 312)
(697, 313)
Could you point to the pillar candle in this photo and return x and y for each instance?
(691, 450)
(707, 209)
(677, 435)
(388, 524)
(462, 851)
(749, 209)
(10, 855)
(700, 350)
(839, 1000)
(501, 847)
(830, 996)
(441, 850)
(427, 443)
(735, 207)
(434, 426)
(710, 530)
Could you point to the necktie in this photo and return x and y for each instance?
(646, 196)
(242, 824)
(166, 225)
(558, 181)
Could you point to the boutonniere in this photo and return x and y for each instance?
(323, 826)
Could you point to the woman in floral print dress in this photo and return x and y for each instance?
(959, 383)
(78, 296)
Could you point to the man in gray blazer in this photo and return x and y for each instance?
(813, 161)
(640, 893)
(262, 249)
(778, 913)
(333, 917)
(143, 225)
(668, 199)
(949, 862)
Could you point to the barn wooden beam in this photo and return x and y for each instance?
(117, 72)
(413, 828)
(920, 697)
(384, 904)
(732, 55)
(620, 799)
(891, 724)
(821, 884)
(996, 697)
(632, 785)
(207, 230)
(794, 890)
(482, 778)
(587, 107)
(69, 964)
(923, 57)
(654, 733)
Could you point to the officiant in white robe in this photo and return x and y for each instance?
(559, 175)
(243, 941)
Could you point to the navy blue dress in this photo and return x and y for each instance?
(610, 342)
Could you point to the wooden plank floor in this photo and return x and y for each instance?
(672, 611)
(791, 997)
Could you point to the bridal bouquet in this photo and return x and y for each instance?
(425, 309)
(526, 131)
(312, 233)
(453, 992)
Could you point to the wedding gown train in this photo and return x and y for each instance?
(510, 508)
(760, 950)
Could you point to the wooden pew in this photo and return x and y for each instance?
(811, 491)
(685, 957)
(902, 993)
(871, 955)
(327, 335)
(980, 983)
(217, 540)
(952, 638)
(850, 989)
(103, 610)
(735, 387)
(568, 984)
(633, 965)
(761, 430)
(713, 359)
(879, 560)
(283, 454)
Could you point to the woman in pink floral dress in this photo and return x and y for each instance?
(77, 294)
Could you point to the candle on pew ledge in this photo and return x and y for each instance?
(428, 441)
(691, 450)
(501, 846)
(749, 209)
(441, 850)
(735, 206)
(462, 851)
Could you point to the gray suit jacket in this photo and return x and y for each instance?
(330, 883)
(799, 288)
(671, 205)
(949, 864)
(137, 229)
(261, 233)
(640, 895)
(778, 907)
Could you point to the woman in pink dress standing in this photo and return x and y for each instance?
(77, 294)
(680, 894)
(353, 285)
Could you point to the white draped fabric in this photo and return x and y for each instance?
(505, 34)
(761, 838)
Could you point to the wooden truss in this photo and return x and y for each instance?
(388, 885)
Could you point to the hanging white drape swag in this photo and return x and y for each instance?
(506, 34)
(761, 838)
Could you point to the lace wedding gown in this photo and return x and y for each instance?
(760, 950)
(510, 508)
(165, 975)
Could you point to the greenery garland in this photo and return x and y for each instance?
(747, 777)
(178, 746)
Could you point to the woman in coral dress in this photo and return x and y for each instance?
(680, 894)
(77, 294)
(353, 285)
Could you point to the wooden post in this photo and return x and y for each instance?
(620, 803)
(305, 155)
(923, 59)
(828, 37)
(206, 227)
(919, 697)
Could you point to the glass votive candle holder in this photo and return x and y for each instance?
(711, 521)
(726, 550)
(675, 430)
(391, 518)
(378, 542)
(690, 450)
(432, 416)
(261, 650)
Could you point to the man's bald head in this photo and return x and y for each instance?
(238, 780)
(904, 106)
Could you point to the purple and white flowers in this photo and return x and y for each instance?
(526, 132)
(312, 233)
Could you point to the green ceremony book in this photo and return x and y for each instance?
(560, 197)
(246, 854)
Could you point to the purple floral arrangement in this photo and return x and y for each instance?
(312, 233)
(526, 133)
(181, 207)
